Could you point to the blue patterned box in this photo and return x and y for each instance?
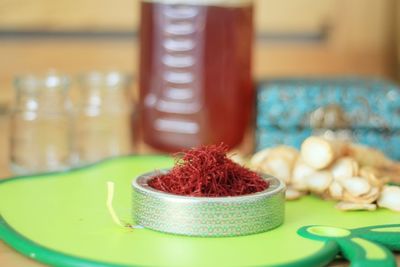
(364, 110)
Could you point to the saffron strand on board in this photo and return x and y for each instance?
(206, 171)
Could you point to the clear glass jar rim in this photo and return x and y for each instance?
(50, 80)
(112, 79)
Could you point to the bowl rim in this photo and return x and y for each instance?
(140, 184)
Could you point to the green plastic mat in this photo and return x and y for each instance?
(61, 219)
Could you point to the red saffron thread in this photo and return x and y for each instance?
(206, 171)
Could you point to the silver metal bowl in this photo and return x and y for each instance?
(207, 216)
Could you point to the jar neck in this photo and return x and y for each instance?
(108, 99)
(43, 99)
(42, 93)
(104, 91)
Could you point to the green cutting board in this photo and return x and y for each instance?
(61, 219)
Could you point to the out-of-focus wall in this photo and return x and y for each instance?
(302, 37)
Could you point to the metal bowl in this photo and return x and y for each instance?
(207, 216)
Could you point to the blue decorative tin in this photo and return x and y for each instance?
(367, 111)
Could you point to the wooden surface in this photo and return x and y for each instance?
(70, 15)
(74, 56)
(303, 37)
(368, 20)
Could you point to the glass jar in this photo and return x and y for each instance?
(41, 124)
(103, 117)
(195, 72)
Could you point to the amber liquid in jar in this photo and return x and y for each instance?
(195, 72)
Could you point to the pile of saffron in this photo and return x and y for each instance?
(207, 171)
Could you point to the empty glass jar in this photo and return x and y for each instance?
(41, 124)
(103, 117)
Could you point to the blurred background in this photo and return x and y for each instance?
(303, 37)
(293, 38)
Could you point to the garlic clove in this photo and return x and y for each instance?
(371, 174)
(278, 167)
(319, 181)
(373, 194)
(336, 190)
(368, 198)
(390, 198)
(356, 186)
(343, 168)
(277, 161)
(259, 157)
(300, 173)
(289, 152)
(317, 152)
(347, 206)
(293, 194)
